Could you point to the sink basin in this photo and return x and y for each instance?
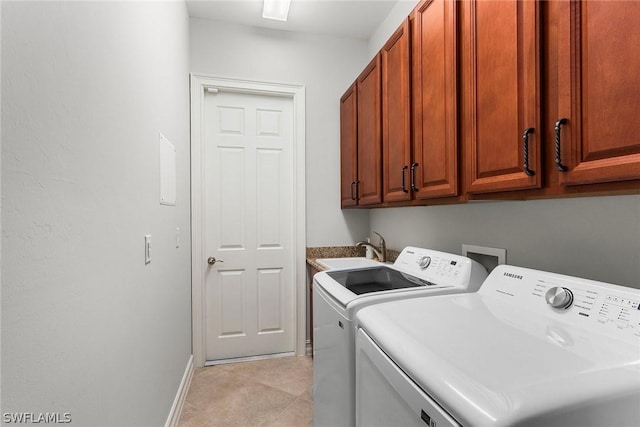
(375, 279)
(350, 262)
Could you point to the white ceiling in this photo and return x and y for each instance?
(347, 18)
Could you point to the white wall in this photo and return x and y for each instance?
(88, 328)
(398, 13)
(0, 208)
(326, 66)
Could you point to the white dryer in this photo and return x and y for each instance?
(339, 294)
(530, 348)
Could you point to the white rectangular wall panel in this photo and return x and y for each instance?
(167, 172)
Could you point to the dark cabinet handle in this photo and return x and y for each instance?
(525, 152)
(353, 193)
(559, 165)
(413, 177)
(404, 188)
(358, 190)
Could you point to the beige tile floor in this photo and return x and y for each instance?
(272, 392)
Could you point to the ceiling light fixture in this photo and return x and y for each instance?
(276, 9)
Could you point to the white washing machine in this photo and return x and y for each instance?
(530, 348)
(339, 294)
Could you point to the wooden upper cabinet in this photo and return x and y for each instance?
(348, 147)
(501, 88)
(369, 186)
(396, 115)
(599, 91)
(434, 93)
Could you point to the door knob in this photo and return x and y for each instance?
(212, 260)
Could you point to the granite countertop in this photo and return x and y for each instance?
(314, 253)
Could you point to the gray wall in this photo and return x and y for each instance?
(87, 327)
(326, 66)
(596, 238)
(396, 15)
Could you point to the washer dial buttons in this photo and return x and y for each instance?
(424, 262)
(559, 297)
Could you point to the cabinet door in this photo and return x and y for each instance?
(599, 91)
(435, 79)
(396, 115)
(348, 147)
(369, 134)
(502, 95)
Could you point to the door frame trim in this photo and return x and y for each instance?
(199, 84)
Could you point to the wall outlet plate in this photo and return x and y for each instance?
(490, 258)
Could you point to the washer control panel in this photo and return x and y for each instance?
(439, 267)
(612, 309)
(559, 297)
(619, 311)
(424, 261)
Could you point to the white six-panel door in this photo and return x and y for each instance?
(248, 225)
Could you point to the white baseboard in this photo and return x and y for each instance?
(248, 358)
(178, 402)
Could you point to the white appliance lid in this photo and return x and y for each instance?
(419, 265)
(488, 361)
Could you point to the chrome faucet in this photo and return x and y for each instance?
(381, 252)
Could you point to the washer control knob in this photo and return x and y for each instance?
(559, 297)
(424, 262)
